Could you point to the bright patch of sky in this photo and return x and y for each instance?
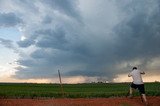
(10, 33)
(8, 56)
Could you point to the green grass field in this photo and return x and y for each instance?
(92, 90)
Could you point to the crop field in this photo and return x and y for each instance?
(87, 90)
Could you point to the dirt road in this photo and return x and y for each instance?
(136, 101)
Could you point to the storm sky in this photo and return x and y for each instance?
(99, 39)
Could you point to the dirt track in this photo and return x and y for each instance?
(136, 101)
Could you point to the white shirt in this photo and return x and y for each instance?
(136, 75)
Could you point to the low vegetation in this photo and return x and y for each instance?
(87, 90)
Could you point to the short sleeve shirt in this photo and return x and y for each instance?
(136, 75)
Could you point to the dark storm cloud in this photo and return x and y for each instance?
(67, 7)
(137, 38)
(139, 34)
(107, 44)
(52, 38)
(9, 20)
(47, 20)
(26, 43)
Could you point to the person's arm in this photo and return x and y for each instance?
(129, 75)
(142, 72)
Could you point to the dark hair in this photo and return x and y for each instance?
(135, 68)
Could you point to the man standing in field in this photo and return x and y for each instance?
(137, 83)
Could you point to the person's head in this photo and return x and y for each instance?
(134, 68)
